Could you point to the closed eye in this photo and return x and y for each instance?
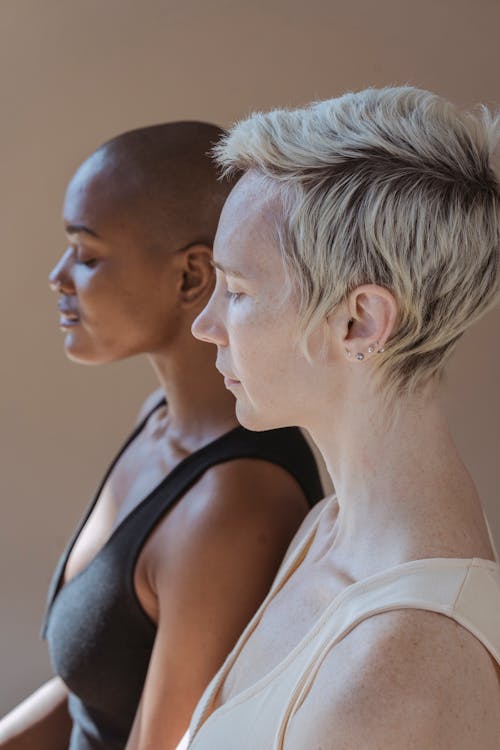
(90, 263)
(233, 295)
(80, 259)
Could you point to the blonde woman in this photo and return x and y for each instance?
(361, 242)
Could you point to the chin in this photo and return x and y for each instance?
(81, 358)
(255, 421)
(86, 355)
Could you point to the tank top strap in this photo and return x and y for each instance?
(286, 448)
(61, 565)
(492, 540)
(465, 590)
(293, 558)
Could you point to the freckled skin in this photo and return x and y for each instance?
(403, 679)
(270, 367)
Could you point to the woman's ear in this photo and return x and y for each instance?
(371, 317)
(198, 275)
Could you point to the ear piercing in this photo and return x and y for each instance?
(372, 348)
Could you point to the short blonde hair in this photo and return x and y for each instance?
(388, 186)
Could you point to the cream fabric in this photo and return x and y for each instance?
(466, 590)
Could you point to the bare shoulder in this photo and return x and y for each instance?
(407, 678)
(234, 525)
(243, 498)
(149, 403)
(258, 484)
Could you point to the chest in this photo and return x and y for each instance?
(286, 621)
(138, 471)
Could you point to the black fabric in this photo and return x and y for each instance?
(100, 639)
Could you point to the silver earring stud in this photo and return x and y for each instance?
(381, 350)
(360, 356)
(371, 349)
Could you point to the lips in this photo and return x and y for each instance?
(68, 314)
(228, 382)
(225, 375)
(68, 322)
(68, 318)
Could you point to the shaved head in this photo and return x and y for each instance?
(162, 179)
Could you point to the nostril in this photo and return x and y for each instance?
(54, 283)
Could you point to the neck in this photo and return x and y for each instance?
(200, 408)
(402, 488)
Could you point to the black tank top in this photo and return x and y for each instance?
(100, 638)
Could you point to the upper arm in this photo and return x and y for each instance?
(215, 559)
(405, 679)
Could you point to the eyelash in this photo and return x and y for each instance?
(235, 296)
(90, 263)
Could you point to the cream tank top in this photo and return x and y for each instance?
(466, 590)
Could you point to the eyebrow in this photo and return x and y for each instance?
(228, 271)
(80, 229)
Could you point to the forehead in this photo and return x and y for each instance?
(97, 195)
(247, 231)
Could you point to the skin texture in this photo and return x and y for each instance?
(40, 721)
(407, 679)
(136, 272)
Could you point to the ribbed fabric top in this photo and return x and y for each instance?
(466, 590)
(100, 638)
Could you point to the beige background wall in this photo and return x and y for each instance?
(75, 72)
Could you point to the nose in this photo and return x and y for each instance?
(208, 326)
(60, 277)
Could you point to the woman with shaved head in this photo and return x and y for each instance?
(192, 519)
(362, 241)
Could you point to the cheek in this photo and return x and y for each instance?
(87, 281)
(263, 319)
(101, 285)
(102, 303)
(247, 325)
(259, 339)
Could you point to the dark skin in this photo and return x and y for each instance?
(137, 271)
